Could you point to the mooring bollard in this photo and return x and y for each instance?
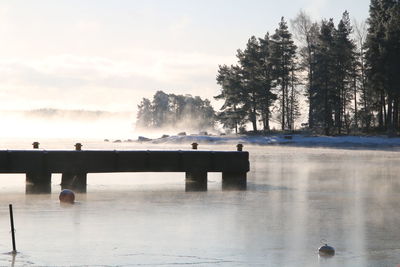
(12, 229)
(35, 145)
(78, 146)
(239, 147)
(194, 145)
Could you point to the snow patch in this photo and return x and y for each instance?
(293, 140)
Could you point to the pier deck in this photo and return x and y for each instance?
(38, 165)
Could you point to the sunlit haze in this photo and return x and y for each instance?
(107, 55)
(180, 133)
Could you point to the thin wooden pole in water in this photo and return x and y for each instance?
(12, 229)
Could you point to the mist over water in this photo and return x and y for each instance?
(83, 125)
(296, 199)
(54, 123)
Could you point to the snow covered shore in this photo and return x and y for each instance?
(371, 142)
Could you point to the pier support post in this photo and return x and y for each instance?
(234, 181)
(38, 183)
(74, 181)
(196, 181)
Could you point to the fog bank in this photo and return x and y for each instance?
(58, 123)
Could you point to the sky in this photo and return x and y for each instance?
(108, 55)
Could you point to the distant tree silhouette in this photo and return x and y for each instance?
(170, 110)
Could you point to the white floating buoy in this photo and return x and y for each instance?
(326, 251)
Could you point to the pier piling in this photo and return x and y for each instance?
(234, 181)
(196, 181)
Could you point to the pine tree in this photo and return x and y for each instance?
(306, 32)
(252, 84)
(267, 97)
(246, 88)
(232, 116)
(144, 115)
(177, 105)
(282, 60)
(324, 82)
(344, 57)
(293, 98)
(365, 101)
(199, 113)
(161, 111)
(392, 66)
(170, 110)
(382, 62)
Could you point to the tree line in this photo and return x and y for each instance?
(349, 74)
(170, 110)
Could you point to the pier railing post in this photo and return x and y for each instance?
(195, 145)
(35, 145)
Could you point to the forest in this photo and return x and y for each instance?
(175, 111)
(346, 77)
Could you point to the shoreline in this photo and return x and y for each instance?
(295, 140)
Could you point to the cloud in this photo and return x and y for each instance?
(88, 26)
(180, 25)
(314, 8)
(71, 81)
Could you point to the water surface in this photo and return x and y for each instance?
(296, 198)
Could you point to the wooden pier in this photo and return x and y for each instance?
(74, 165)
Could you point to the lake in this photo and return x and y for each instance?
(297, 200)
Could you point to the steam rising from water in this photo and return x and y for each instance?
(55, 123)
(295, 198)
(87, 124)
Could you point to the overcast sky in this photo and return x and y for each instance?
(107, 55)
